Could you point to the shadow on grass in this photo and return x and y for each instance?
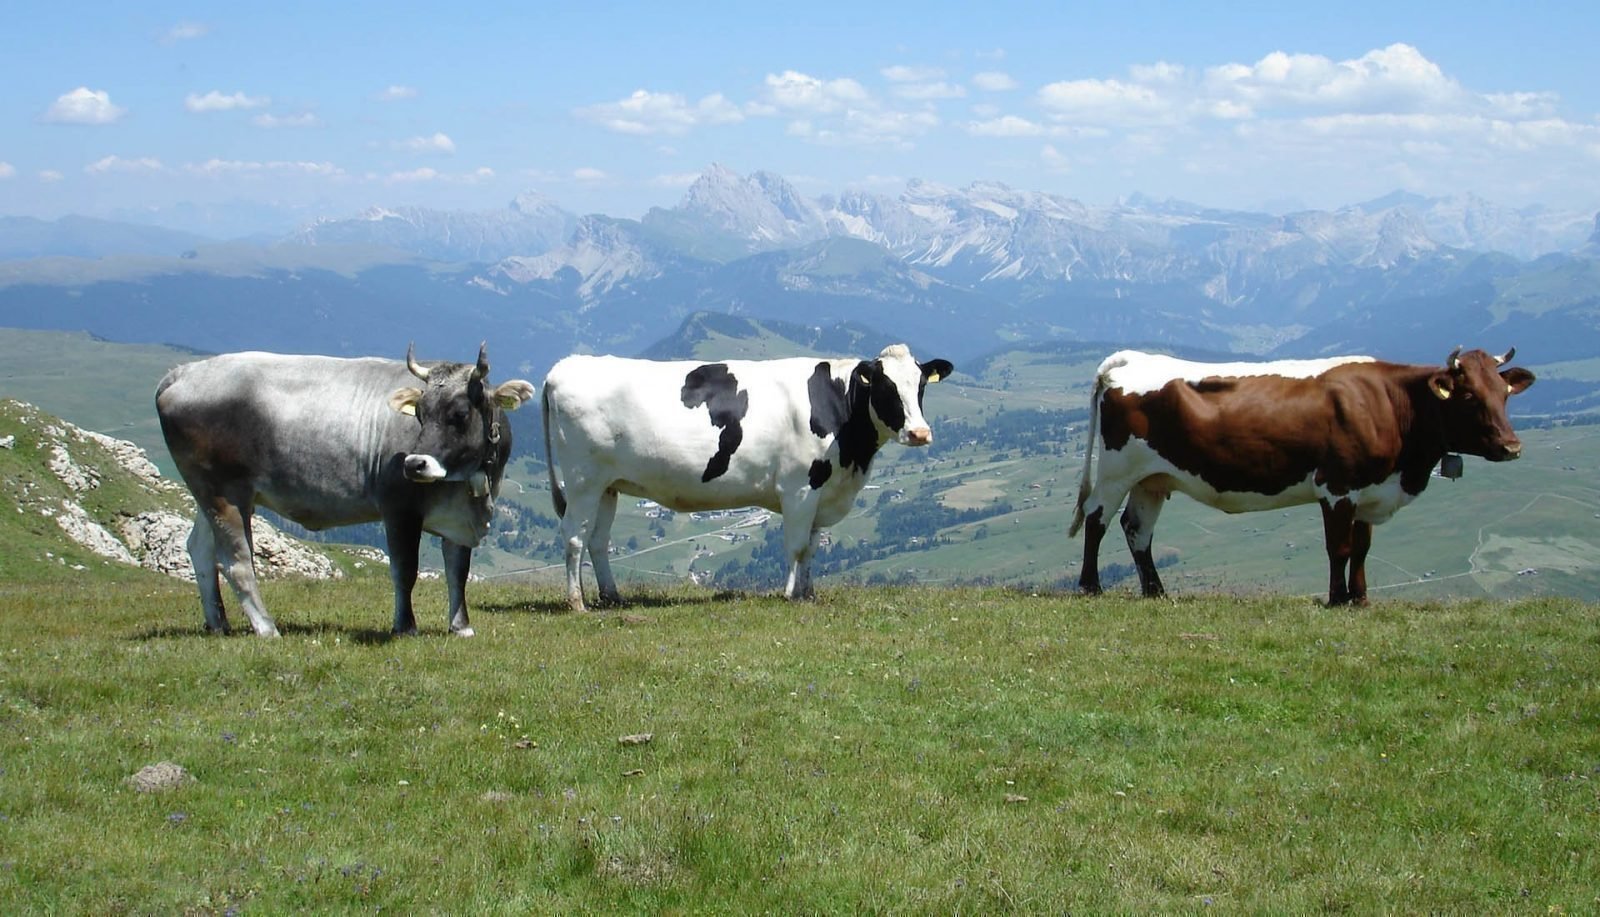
(364, 636)
(630, 602)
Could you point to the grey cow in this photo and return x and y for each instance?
(327, 441)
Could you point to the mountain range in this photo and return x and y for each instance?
(962, 271)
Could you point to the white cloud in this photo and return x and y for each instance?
(994, 81)
(1005, 126)
(83, 106)
(796, 91)
(7, 170)
(925, 92)
(1107, 101)
(1053, 159)
(1395, 78)
(891, 124)
(646, 112)
(396, 93)
(216, 101)
(184, 31)
(1522, 104)
(109, 164)
(216, 168)
(412, 176)
(49, 176)
(1159, 72)
(437, 143)
(426, 174)
(271, 121)
(901, 74)
(589, 174)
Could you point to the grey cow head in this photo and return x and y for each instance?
(462, 430)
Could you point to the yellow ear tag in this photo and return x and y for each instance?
(865, 379)
(1442, 392)
(934, 377)
(409, 409)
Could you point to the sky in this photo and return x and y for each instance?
(281, 112)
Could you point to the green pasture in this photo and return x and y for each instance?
(925, 749)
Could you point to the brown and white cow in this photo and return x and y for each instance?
(1358, 436)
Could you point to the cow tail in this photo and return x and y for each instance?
(1085, 485)
(556, 496)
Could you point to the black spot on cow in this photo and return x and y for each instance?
(821, 471)
(716, 388)
(844, 410)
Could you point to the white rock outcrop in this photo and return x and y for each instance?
(156, 539)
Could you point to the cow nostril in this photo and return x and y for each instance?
(921, 436)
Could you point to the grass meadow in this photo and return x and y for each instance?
(926, 749)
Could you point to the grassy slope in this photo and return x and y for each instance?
(913, 749)
(98, 385)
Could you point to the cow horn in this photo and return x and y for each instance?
(1506, 357)
(481, 371)
(417, 369)
(1455, 359)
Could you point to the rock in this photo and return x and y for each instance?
(642, 738)
(158, 778)
(91, 534)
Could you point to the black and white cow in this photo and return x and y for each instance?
(794, 436)
(327, 441)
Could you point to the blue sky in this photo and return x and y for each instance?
(325, 109)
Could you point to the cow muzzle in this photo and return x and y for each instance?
(423, 469)
(1510, 452)
(919, 436)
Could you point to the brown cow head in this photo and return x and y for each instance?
(1474, 390)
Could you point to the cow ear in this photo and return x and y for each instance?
(865, 371)
(1442, 384)
(1517, 379)
(934, 370)
(405, 400)
(512, 395)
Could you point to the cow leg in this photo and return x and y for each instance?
(230, 532)
(203, 557)
(1139, 525)
(1338, 523)
(457, 564)
(600, 549)
(576, 528)
(799, 544)
(1360, 543)
(404, 536)
(1096, 510)
(799, 584)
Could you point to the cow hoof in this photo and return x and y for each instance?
(464, 632)
(408, 632)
